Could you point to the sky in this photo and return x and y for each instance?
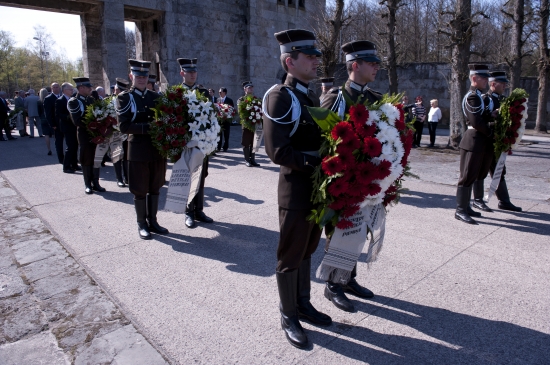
(64, 28)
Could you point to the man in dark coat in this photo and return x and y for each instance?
(66, 126)
(292, 140)
(476, 146)
(4, 122)
(224, 136)
(49, 110)
(247, 138)
(77, 107)
(147, 168)
(362, 65)
(194, 211)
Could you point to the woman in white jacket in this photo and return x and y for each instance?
(434, 116)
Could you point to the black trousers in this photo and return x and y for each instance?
(59, 137)
(474, 165)
(225, 136)
(298, 238)
(197, 204)
(87, 148)
(146, 177)
(70, 159)
(432, 127)
(418, 126)
(247, 138)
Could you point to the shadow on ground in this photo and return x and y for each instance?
(446, 337)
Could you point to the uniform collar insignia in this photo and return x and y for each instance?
(81, 97)
(297, 84)
(356, 86)
(137, 91)
(301, 88)
(495, 95)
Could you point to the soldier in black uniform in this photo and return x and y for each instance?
(292, 140)
(122, 164)
(497, 84)
(77, 107)
(476, 147)
(147, 168)
(247, 138)
(194, 211)
(362, 65)
(326, 85)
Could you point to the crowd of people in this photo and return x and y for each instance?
(292, 140)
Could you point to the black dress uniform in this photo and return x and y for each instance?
(77, 108)
(65, 124)
(335, 100)
(247, 137)
(476, 147)
(147, 168)
(194, 210)
(122, 164)
(49, 110)
(294, 145)
(493, 100)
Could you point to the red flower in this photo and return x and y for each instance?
(358, 113)
(338, 204)
(98, 140)
(338, 187)
(169, 110)
(347, 158)
(179, 109)
(160, 137)
(384, 169)
(400, 125)
(344, 224)
(342, 130)
(332, 165)
(364, 130)
(102, 129)
(183, 143)
(366, 172)
(175, 143)
(172, 96)
(93, 125)
(372, 147)
(351, 144)
(373, 189)
(349, 211)
(179, 118)
(179, 91)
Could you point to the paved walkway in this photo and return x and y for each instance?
(79, 282)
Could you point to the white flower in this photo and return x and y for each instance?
(194, 127)
(391, 112)
(374, 116)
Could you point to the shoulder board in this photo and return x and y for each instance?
(375, 92)
(335, 90)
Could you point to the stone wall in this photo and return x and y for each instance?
(430, 81)
(232, 39)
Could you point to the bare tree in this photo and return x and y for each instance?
(517, 16)
(459, 31)
(328, 25)
(391, 62)
(543, 66)
(130, 44)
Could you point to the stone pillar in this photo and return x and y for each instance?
(148, 45)
(115, 63)
(90, 24)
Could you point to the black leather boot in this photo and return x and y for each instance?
(504, 198)
(152, 209)
(141, 213)
(335, 293)
(118, 172)
(353, 287)
(253, 157)
(478, 197)
(125, 170)
(306, 311)
(287, 283)
(463, 203)
(246, 152)
(95, 181)
(87, 173)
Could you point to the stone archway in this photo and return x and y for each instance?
(103, 34)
